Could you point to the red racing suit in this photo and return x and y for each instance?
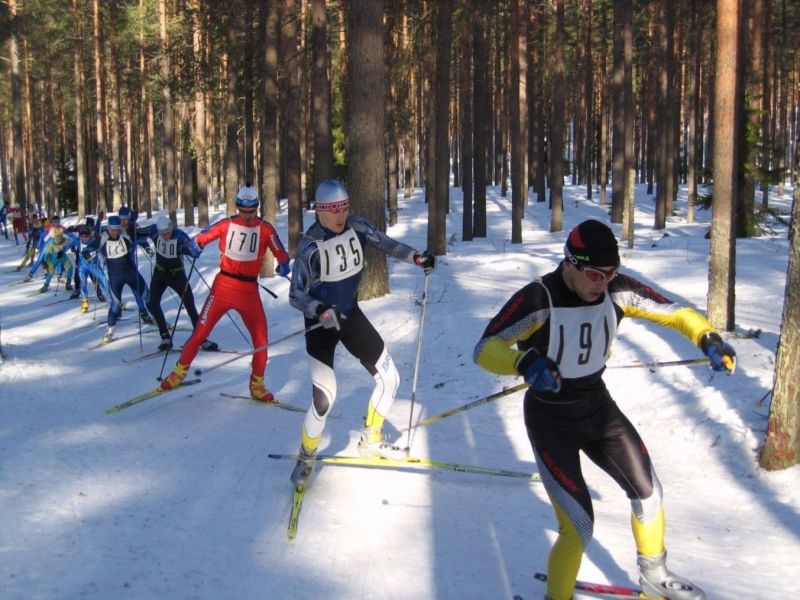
(242, 249)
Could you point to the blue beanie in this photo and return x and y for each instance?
(124, 211)
(114, 222)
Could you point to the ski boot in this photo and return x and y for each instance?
(166, 343)
(657, 581)
(304, 468)
(84, 306)
(109, 334)
(68, 286)
(28, 277)
(75, 295)
(174, 379)
(145, 317)
(371, 443)
(44, 288)
(210, 346)
(257, 390)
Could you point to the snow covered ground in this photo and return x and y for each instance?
(175, 498)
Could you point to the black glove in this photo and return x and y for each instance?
(60, 254)
(329, 316)
(148, 250)
(720, 354)
(426, 260)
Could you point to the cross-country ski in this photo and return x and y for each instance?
(413, 462)
(275, 403)
(147, 395)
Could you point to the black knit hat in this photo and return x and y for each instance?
(592, 243)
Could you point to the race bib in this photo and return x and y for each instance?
(340, 257)
(116, 248)
(580, 338)
(242, 242)
(167, 248)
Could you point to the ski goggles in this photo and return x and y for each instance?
(596, 275)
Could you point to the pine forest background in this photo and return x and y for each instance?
(173, 104)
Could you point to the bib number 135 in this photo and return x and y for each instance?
(340, 257)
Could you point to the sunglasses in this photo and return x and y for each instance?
(597, 275)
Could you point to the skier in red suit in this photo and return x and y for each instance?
(243, 242)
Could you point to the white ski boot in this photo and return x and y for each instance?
(304, 468)
(657, 581)
(372, 444)
(109, 334)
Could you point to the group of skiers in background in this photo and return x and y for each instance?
(555, 332)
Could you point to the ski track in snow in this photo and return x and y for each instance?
(175, 498)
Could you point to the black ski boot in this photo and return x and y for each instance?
(166, 343)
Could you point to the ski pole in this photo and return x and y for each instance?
(228, 314)
(703, 360)
(269, 291)
(199, 372)
(416, 361)
(178, 314)
(473, 404)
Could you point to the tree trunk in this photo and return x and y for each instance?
(770, 133)
(80, 151)
(781, 447)
(188, 182)
(365, 128)
(602, 114)
(438, 207)
(665, 129)
(270, 17)
(427, 103)
(745, 215)
(101, 133)
(693, 104)
(518, 115)
(231, 167)
(619, 77)
(467, 121)
(292, 121)
(722, 259)
(200, 139)
(557, 121)
(588, 99)
(320, 94)
(32, 166)
(170, 192)
(628, 117)
(117, 170)
(392, 56)
(480, 107)
(248, 167)
(537, 119)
